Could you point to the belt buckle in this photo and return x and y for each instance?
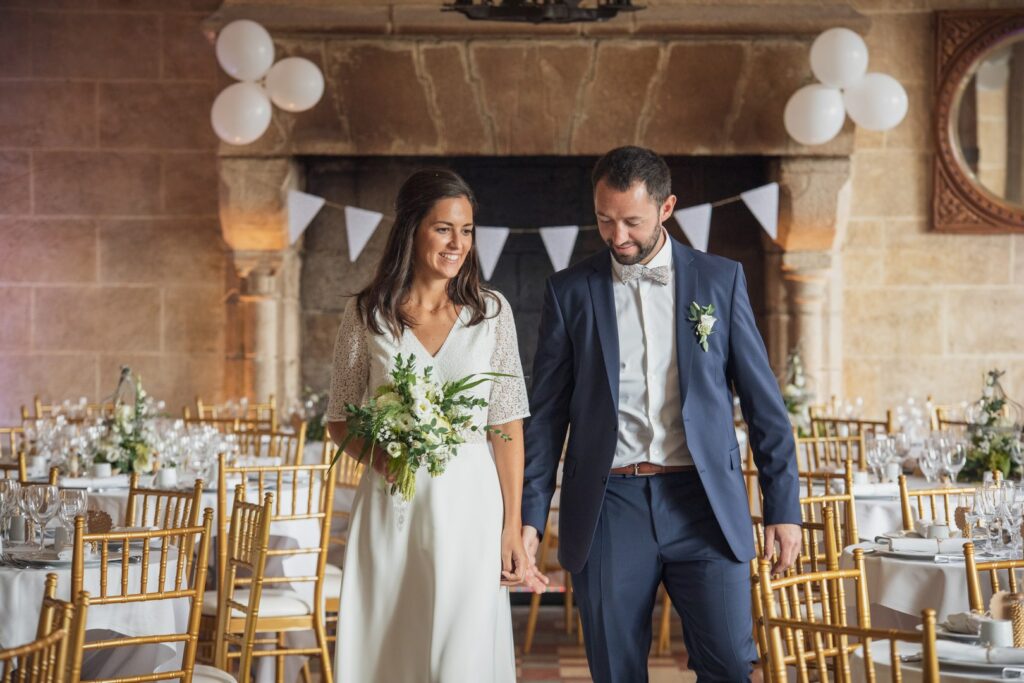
(638, 473)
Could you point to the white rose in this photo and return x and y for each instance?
(705, 325)
(394, 449)
(422, 408)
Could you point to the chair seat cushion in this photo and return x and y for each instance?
(211, 674)
(274, 602)
(332, 582)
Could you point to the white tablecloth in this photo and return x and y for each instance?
(877, 516)
(912, 670)
(900, 589)
(21, 595)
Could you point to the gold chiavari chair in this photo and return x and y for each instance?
(12, 442)
(15, 469)
(239, 600)
(817, 453)
(162, 508)
(55, 656)
(933, 501)
(262, 443)
(822, 425)
(264, 415)
(946, 422)
(809, 646)
(302, 493)
(179, 573)
(975, 569)
(224, 425)
(41, 411)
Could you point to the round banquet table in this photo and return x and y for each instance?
(21, 595)
(911, 671)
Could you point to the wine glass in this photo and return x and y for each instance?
(875, 455)
(42, 502)
(72, 504)
(954, 458)
(930, 460)
(9, 503)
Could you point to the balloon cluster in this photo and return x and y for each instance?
(241, 113)
(839, 60)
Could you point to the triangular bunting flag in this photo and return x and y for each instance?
(763, 202)
(559, 242)
(302, 208)
(359, 225)
(696, 224)
(489, 243)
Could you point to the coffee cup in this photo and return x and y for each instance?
(996, 633)
(37, 465)
(939, 531)
(893, 470)
(861, 478)
(101, 469)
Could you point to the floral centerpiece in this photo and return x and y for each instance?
(127, 438)
(795, 393)
(417, 421)
(312, 408)
(994, 431)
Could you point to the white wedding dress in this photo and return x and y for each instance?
(421, 598)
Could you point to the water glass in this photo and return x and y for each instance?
(42, 502)
(10, 495)
(954, 458)
(72, 504)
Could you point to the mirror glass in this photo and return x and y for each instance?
(989, 122)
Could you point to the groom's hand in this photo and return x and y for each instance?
(788, 538)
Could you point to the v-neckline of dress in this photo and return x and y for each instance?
(444, 344)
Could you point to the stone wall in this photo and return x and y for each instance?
(923, 313)
(110, 248)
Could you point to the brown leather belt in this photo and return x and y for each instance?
(646, 469)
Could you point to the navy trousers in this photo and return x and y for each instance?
(654, 530)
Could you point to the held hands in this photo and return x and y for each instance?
(518, 560)
(379, 461)
(788, 538)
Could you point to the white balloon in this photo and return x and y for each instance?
(245, 50)
(876, 102)
(241, 113)
(839, 57)
(295, 84)
(814, 114)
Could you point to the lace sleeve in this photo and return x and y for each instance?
(351, 368)
(508, 400)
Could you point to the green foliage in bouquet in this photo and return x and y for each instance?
(417, 422)
(795, 394)
(994, 431)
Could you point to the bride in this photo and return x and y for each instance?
(424, 595)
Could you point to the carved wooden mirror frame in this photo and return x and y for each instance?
(959, 204)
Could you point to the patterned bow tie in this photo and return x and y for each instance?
(659, 274)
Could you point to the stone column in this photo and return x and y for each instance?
(266, 315)
(806, 275)
(813, 212)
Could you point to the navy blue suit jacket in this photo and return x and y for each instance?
(576, 384)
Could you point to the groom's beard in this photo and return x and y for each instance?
(644, 250)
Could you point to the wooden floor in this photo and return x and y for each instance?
(557, 657)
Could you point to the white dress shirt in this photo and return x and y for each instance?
(650, 408)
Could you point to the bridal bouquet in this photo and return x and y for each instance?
(417, 422)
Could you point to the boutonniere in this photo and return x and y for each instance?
(703, 319)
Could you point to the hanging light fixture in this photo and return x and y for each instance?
(540, 12)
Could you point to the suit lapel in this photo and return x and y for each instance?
(687, 280)
(600, 281)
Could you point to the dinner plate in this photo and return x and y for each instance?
(962, 665)
(928, 555)
(942, 632)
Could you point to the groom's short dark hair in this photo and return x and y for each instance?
(623, 166)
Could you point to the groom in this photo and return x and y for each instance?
(640, 348)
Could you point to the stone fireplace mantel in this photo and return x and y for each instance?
(410, 80)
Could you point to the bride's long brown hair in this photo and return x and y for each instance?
(382, 299)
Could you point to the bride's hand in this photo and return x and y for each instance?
(380, 465)
(514, 560)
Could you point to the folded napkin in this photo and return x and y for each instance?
(113, 482)
(923, 545)
(867, 488)
(963, 622)
(977, 654)
(257, 461)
